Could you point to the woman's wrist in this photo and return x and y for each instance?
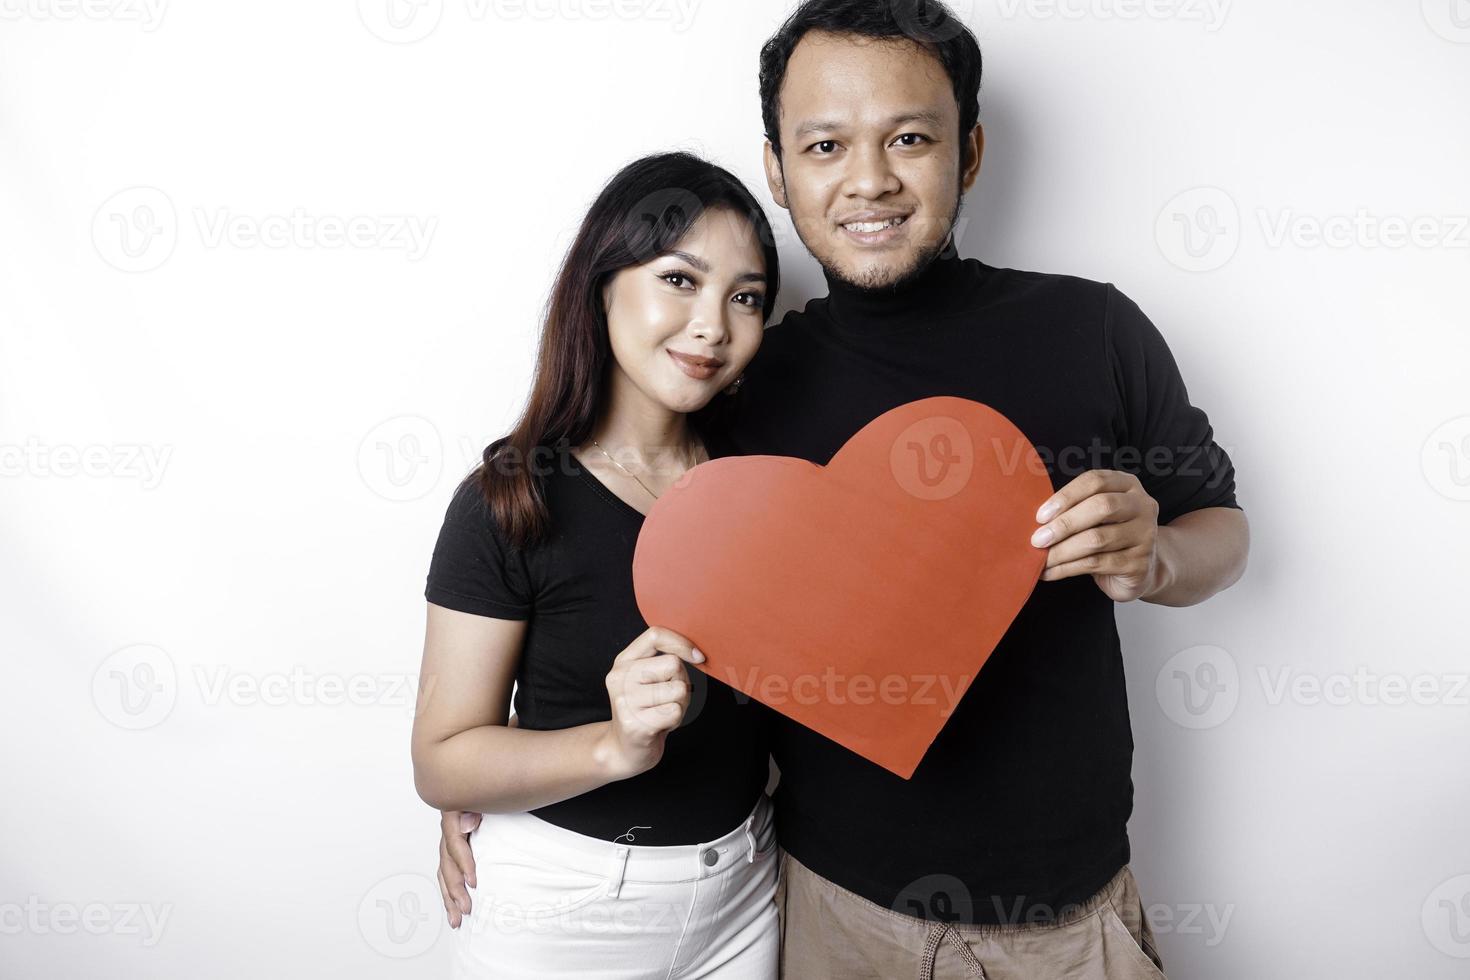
(607, 755)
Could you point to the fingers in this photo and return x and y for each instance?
(1107, 563)
(649, 684)
(660, 668)
(1099, 509)
(456, 857)
(1090, 541)
(645, 683)
(656, 640)
(663, 692)
(1084, 486)
(450, 912)
(463, 857)
(456, 863)
(664, 717)
(456, 902)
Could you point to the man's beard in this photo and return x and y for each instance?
(872, 279)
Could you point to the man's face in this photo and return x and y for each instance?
(870, 166)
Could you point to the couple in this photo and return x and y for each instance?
(624, 829)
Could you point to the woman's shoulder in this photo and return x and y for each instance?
(562, 486)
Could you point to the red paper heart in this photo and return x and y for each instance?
(862, 597)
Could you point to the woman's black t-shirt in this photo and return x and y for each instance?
(575, 589)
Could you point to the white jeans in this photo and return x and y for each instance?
(551, 903)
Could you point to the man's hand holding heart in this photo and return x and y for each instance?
(1103, 524)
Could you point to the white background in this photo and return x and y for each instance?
(228, 439)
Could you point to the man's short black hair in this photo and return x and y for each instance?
(927, 22)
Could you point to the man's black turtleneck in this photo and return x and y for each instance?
(1020, 808)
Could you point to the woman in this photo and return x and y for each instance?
(626, 831)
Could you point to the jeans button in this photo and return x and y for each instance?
(711, 858)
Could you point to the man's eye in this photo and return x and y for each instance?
(912, 136)
(824, 147)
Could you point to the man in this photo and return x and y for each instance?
(1006, 854)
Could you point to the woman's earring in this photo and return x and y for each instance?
(734, 385)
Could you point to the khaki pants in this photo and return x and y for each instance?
(829, 933)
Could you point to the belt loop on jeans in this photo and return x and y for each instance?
(750, 839)
(615, 873)
(943, 930)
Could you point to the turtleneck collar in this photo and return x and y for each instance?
(936, 291)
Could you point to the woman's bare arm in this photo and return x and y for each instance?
(465, 757)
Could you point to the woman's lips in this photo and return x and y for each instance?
(698, 368)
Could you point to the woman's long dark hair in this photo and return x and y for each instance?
(641, 213)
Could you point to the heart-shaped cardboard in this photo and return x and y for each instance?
(862, 597)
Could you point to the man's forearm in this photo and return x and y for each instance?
(1199, 554)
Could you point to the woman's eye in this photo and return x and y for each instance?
(669, 278)
(824, 147)
(750, 299)
(912, 136)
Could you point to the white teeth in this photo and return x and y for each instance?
(868, 227)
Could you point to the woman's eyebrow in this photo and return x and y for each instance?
(703, 266)
(693, 260)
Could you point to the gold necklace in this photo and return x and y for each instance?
(624, 469)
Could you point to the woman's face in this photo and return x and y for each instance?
(685, 324)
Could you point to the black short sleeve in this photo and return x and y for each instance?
(1173, 445)
(474, 569)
